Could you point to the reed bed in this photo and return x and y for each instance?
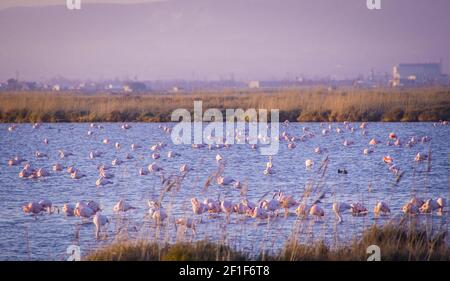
(396, 242)
(306, 105)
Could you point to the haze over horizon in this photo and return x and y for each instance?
(214, 39)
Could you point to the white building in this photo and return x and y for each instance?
(418, 74)
(253, 84)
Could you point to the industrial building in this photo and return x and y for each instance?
(417, 74)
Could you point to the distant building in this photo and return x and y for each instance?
(253, 84)
(411, 74)
(56, 88)
(134, 87)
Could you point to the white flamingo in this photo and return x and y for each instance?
(116, 162)
(122, 206)
(225, 180)
(101, 181)
(339, 208)
(99, 221)
(154, 168)
(184, 168)
(186, 223)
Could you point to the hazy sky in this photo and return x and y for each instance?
(212, 39)
(33, 3)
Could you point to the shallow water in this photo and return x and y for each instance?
(24, 237)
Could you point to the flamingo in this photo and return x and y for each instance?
(291, 145)
(117, 145)
(64, 154)
(99, 220)
(272, 206)
(227, 207)
(45, 140)
(347, 143)
(225, 180)
(122, 206)
(57, 167)
(33, 208)
(154, 168)
(316, 211)
(381, 207)
(135, 146)
(83, 211)
(68, 209)
(77, 175)
(41, 172)
(95, 154)
(388, 159)
(367, 151)
(142, 172)
(392, 136)
(126, 126)
(116, 162)
(71, 169)
(213, 206)
(94, 206)
(410, 209)
(158, 214)
(420, 157)
(416, 202)
(286, 202)
(339, 208)
(259, 213)
(301, 210)
(358, 209)
(184, 168)
(15, 161)
(186, 223)
(218, 158)
(238, 185)
(442, 203)
(309, 163)
(198, 207)
(104, 174)
(156, 156)
(39, 154)
(373, 142)
(429, 206)
(172, 154)
(101, 181)
(105, 141)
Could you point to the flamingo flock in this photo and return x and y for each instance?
(281, 204)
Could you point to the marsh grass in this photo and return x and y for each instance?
(396, 242)
(313, 104)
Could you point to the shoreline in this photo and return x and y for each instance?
(295, 105)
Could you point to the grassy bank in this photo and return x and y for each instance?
(396, 242)
(318, 104)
